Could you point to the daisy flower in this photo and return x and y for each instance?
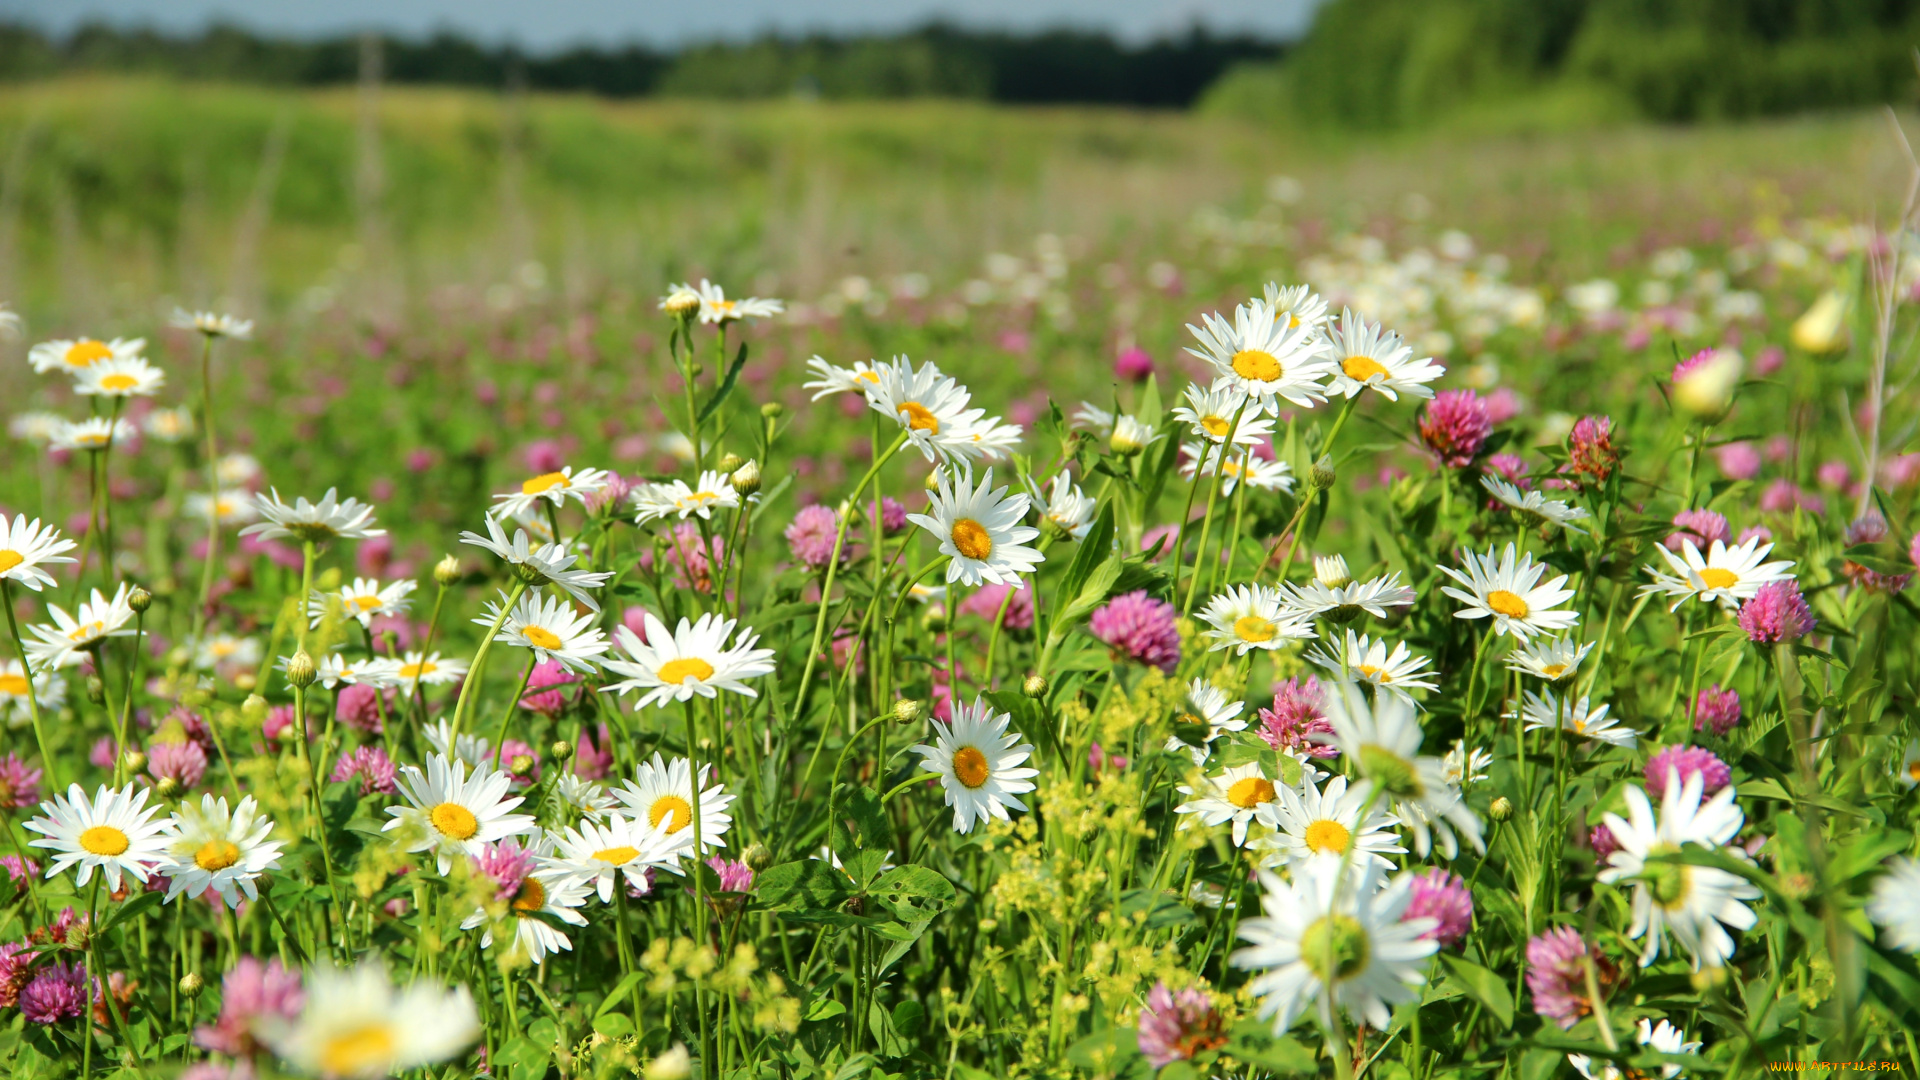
(979, 527)
(38, 428)
(590, 797)
(1064, 505)
(1688, 903)
(1335, 595)
(1207, 704)
(693, 658)
(554, 487)
(1544, 712)
(661, 795)
(1397, 672)
(233, 505)
(1312, 823)
(528, 893)
(1896, 904)
(548, 626)
(1248, 617)
(1385, 742)
(1372, 357)
(1296, 305)
(1091, 417)
(929, 406)
(549, 564)
(364, 601)
(1506, 587)
(98, 619)
(600, 854)
(332, 518)
(1552, 659)
(429, 669)
(94, 433)
(980, 768)
(453, 812)
(169, 425)
(716, 308)
(861, 378)
(26, 546)
(114, 833)
(120, 377)
(675, 498)
(473, 750)
(49, 690)
(1263, 355)
(338, 669)
(77, 356)
(355, 1025)
(210, 847)
(1239, 795)
(227, 650)
(1130, 436)
(1462, 766)
(212, 324)
(1535, 504)
(236, 470)
(1259, 473)
(1725, 574)
(1209, 413)
(1333, 937)
(1664, 1038)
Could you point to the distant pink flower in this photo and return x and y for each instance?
(1509, 467)
(1557, 975)
(687, 565)
(1685, 762)
(1834, 474)
(1098, 760)
(1603, 842)
(1900, 471)
(1738, 461)
(893, 515)
(251, 994)
(508, 864)
(1700, 527)
(19, 783)
(1782, 496)
(1717, 709)
(1590, 451)
(1503, 405)
(544, 456)
(1753, 532)
(1692, 363)
(735, 877)
(184, 762)
(1868, 528)
(1443, 897)
(811, 535)
(1298, 712)
(1139, 628)
(544, 694)
(16, 966)
(985, 602)
(370, 766)
(1175, 1027)
(102, 754)
(1769, 361)
(19, 871)
(1776, 613)
(360, 707)
(591, 760)
(375, 553)
(419, 460)
(1164, 535)
(1455, 426)
(634, 618)
(58, 992)
(1133, 364)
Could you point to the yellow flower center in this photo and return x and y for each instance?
(1913, 769)
(454, 820)
(970, 539)
(616, 856)
(13, 684)
(671, 807)
(1362, 368)
(104, 840)
(1553, 671)
(1256, 365)
(119, 382)
(1717, 578)
(1254, 628)
(1250, 792)
(1509, 604)
(920, 418)
(414, 671)
(10, 559)
(867, 376)
(532, 897)
(87, 631)
(1578, 724)
(223, 649)
(366, 603)
(216, 855)
(544, 482)
(363, 1050)
(697, 498)
(541, 636)
(1377, 674)
(675, 672)
(1326, 837)
(86, 353)
(1215, 426)
(970, 766)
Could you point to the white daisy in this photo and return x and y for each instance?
(1064, 505)
(1248, 617)
(451, 812)
(600, 854)
(332, 518)
(660, 795)
(212, 324)
(1896, 904)
(1910, 766)
(590, 797)
(1544, 712)
(1210, 413)
(76, 356)
(1208, 705)
(114, 833)
(1665, 1039)
(94, 433)
(233, 505)
(1535, 504)
(1311, 823)
(119, 377)
(693, 659)
(1397, 672)
(675, 498)
(1334, 937)
(930, 407)
(1506, 587)
(236, 470)
(1130, 436)
(338, 669)
(535, 893)
(716, 308)
(1259, 473)
(1369, 356)
(979, 527)
(1263, 355)
(213, 848)
(980, 768)
(1552, 659)
(1690, 903)
(1344, 601)
(429, 669)
(227, 651)
(1091, 417)
(1462, 767)
(553, 487)
(470, 749)
(1384, 743)
(363, 601)
(1239, 795)
(49, 690)
(98, 619)
(38, 428)
(861, 378)
(26, 546)
(548, 626)
(1297, 305)
(355, 1026)
(549, 564)
(1725, 574)
(173, 425)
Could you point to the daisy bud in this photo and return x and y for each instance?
(561, 750)
(1035, 686)
(681, 304)
(1322, 476)
(746, 478)
(772, 409)
(730, 462)
(933, 481)
(696, 369)
(167, 788)
(935, 620)
(1501, 810)
(300, 673)
(1703, 384)
(447, 570)
(96, 690)
(134, 760)
(758, 856)
(1129, 436)
(1824, 326)
(906, 710)
(519, 764)
(139, 599)
(1331, 571)
(191, 984)
(1709, 978)
(254, 709)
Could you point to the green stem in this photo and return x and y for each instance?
(213, 488)
(47, 760)
(479, 666)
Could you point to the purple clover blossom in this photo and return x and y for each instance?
(811, 535)
(1298, 713)
(360, 707)
(593, 761)
(543, 696)
(16, 967)
(1684, 762)
(1455, 426)
(58, 992)
(1716, 709)
(1701, 527)
(1175, 1027)
(893, 515)
(1139, 628)
(252, 992)
(986, 600)
(19, 783)
(1604, 844)
(371, 766)
(508, 864)
(1133, 364)
(183, 762)
(1776, 613)
(1443, 897)
(1590, 452)
(1557, 975)
(735, 877)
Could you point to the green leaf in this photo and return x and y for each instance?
(808, 884)
(1254, 1042)
(1483, 986)
(871, 829)
(1094, 547)
(886, 1038)
(131, 909)
(857, 1065)
(522, 1053)
(725, 388)
(613, 1025)
(909, 1017)
(1537, 1064)
(825, 1009)
(619, 995)
(914, 893)
(1162, 909)
(1113, 1051)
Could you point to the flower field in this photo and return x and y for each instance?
(1253, 640)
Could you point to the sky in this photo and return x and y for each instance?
(541, 25)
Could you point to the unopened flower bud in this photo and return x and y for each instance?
(328, 581)
(134, 760)
(561, 750)
(96, 690)
(772, 409)
(139, 599)
(681, 303)
(191, 984)
(1035, 686)
(746, 478)
(1704, 385)
(520, 764)
(300, 672)
(675, 1064)
(933, 481)
(696, 369)
(1501, 810)
(244, 680)
(1129, 436)
(254, 709)
(1331, 571)
(167, 788)
(757, 855)
(447, 570)
(1322, 476)
(730, 462)
(935, 620)
(906, 710)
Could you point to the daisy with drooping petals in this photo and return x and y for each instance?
(660, 795)
(1339, 598)
(931, 407)
(93, 433)
(1397, 672)
(981, 770)
(1368, 356)
(1896, 904)
(548, 626)
(1506, 587)
(98, 619)
(211, 847)
(1259, 473)
(676, 498)
(1691, 904)
(527, 893)
(77, 356)
(429, 669)
(473, 750)
(26, 546)
(363, 601)
(716, 308)
(114, 833)
(692, 659)
(212, 324)
(1210, 413)
(1665, 1039)
(453, 812)
(355, 1026)
(173, 425)
(332, 518)
(1334, 937)
(233, 505)
(1384, 741)
(553, 487)
(861, 378)
(1725, 574)
(1264, 356)
(549, 564)
(120, 377)
(1552, 659)
(1462, 766)
(979, 528)
(339, 669)
(1544, 712)
(1249, 617)
(1091, 417)
(1239, 795)
(1535, 504)
(1296, 305)
(590, 797)
(49, 690)
(1064, 506)
(1312, 823)
(226, 651)
(1207, 704)
(600, 854)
